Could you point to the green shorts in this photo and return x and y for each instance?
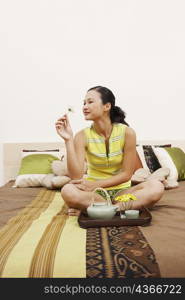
(112, 193)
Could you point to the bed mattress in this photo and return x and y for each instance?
(38, 239)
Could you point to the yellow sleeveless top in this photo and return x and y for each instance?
(103, 165)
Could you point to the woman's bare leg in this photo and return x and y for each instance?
(147, 193)
(77, 199)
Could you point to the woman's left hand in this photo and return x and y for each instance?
(85, 185)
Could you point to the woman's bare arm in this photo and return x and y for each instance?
(75, 148)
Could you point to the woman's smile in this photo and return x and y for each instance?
(86, 113)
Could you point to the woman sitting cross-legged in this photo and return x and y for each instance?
(109, 147)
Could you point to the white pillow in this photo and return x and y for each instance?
(166, 162)
(142, 157)
(29, 180)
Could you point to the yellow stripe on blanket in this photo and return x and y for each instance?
(13, 231)
(19, 260)
(70, 261)
(50, 245)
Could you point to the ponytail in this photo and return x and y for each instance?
(117, 115)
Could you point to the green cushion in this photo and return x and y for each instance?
(178, 157)
(37, 164)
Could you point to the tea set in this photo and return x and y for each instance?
(105, 210)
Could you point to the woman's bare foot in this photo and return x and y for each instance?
(73, 212)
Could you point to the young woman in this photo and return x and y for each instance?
(109, 147)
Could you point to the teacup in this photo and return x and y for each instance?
(132, 214)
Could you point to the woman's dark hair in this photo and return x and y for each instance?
(117, 115)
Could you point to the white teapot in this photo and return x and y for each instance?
(102, 210)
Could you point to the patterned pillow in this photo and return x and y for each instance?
(149, 158)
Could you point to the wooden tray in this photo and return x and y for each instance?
(144, 218)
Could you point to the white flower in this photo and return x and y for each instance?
(70, 109)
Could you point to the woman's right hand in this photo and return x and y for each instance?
(63, 128)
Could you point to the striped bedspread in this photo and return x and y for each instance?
(38, 239)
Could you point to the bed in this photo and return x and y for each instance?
(38, 239)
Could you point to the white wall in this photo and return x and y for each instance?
(52, 51)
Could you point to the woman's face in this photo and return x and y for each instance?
(93, 107)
